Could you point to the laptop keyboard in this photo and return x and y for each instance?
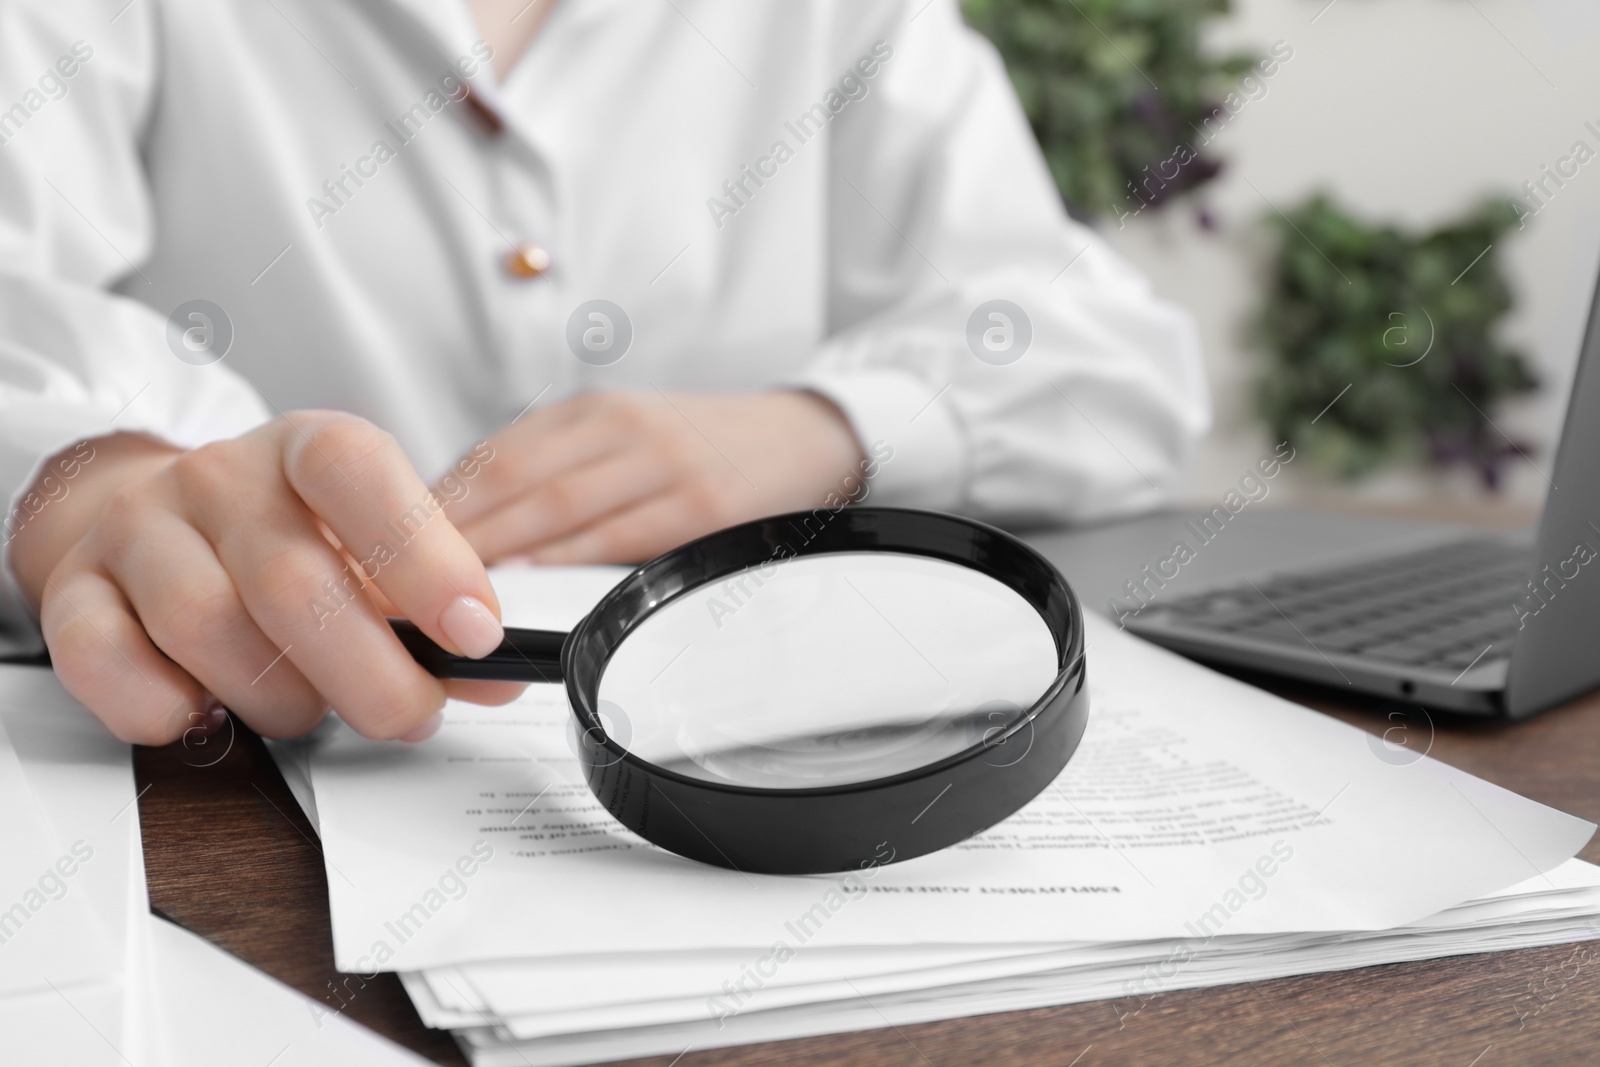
(1444, 607)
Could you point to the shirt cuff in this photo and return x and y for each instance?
(908, 430)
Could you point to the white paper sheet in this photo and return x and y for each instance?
(510, 993)
(161, 995)
(1123, 984)
(82, 780)
(49, 935)
(1188, 787)
(554, 985)
(245, 1017)
(95, 1023)
(293, 759)
(60, 1027)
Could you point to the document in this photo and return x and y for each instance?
(48, 933)
(115, 985)
(80, 779)
(245, 1016)
(1126, 977)
(1197, 806)
(514, 994)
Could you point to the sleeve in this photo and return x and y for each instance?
(1016, 367)
(78, 359)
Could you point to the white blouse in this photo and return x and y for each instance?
(212, 211)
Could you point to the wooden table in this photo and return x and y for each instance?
(231, 857)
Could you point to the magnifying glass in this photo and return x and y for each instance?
(816, 692)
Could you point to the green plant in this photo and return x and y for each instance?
(1381, 342)
(1113, 87)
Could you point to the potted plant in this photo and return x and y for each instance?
(1381, 345)
(1120, 94)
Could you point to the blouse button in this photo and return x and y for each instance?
(526, 261)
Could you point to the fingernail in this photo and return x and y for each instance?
(473, 628)
(211, 716)
(426, 730)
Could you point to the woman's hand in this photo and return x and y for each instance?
(622, 477)
(164, 578)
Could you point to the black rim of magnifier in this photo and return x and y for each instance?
(847, 827)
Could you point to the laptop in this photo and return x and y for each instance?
(1434, 614)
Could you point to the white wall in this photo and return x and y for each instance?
(1408, 111)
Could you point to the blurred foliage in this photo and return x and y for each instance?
(1087, 73)
(1373, 308)
(1406, 320)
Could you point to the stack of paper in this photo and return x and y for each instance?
(88, 977)
(1205, 833)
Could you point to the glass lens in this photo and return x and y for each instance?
(829, 670)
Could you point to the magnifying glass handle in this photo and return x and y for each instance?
(524, 656)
